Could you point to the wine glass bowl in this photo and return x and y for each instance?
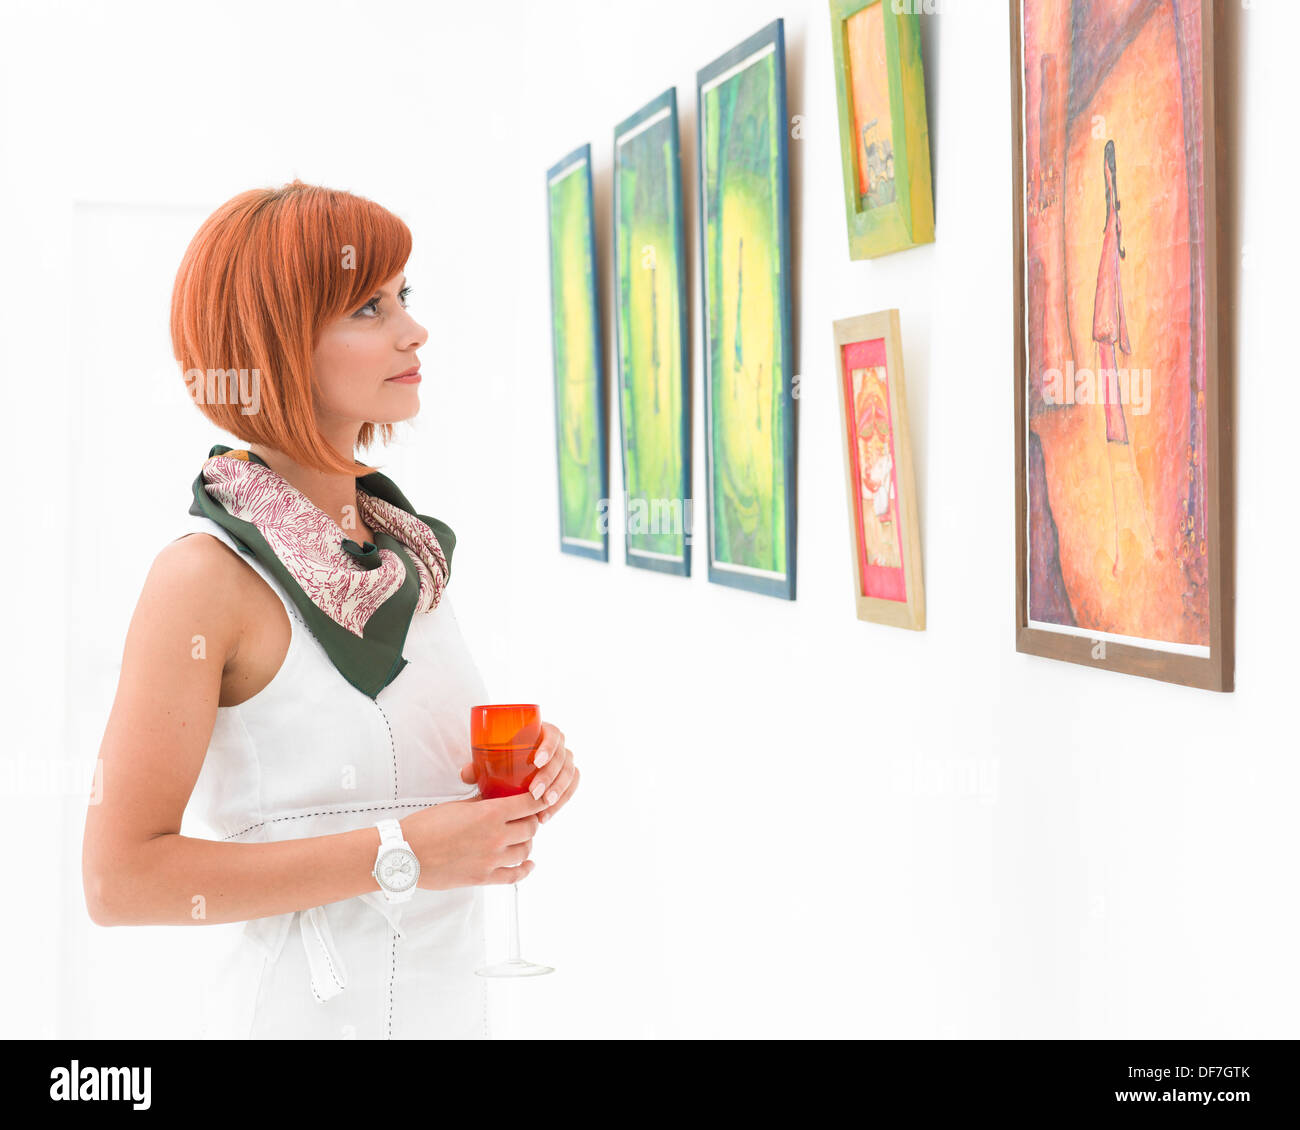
(503, 740)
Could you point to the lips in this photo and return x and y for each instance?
(414, 371)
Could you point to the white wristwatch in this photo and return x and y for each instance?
(396, 869)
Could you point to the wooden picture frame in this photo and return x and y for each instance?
(884, 131)
(1098, 483)
(653, 336)
(745, 270)
(888, 581)
(578, 359)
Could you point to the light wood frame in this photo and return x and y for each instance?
(909, 613)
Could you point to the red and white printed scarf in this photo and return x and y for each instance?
(310, 542)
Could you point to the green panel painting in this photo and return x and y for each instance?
(745, 236)
(654, 378)
(576, 340)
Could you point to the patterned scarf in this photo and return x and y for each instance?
(358, 600)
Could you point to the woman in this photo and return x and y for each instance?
(1109, 329)
(297, 681)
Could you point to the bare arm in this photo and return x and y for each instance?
(137, 869)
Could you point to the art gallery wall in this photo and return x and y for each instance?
(790, 822)
(795, 823)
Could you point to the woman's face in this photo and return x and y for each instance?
(358, 353)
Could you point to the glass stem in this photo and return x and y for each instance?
(514, 923)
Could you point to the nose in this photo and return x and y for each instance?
(415, 334)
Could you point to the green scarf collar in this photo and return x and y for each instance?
(370, 661)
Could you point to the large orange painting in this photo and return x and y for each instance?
(1115, 315)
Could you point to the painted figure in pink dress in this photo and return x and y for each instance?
(1110, 329)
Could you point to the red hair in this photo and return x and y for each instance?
(263, 275)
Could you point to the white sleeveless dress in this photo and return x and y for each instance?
(310, 755)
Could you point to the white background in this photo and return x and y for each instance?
(791, 822)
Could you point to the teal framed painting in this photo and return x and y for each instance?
(884, 133)
(654, 387)
(581, 439)
(744, 211)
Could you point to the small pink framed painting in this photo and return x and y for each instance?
(887, 580)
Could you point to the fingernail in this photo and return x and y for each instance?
(537, 790)
(542, 758)
(552, 797)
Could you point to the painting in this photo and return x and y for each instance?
(884, 133)
(888, 586)
(650, 270)
(581, 441)
(1123, 488)
(743, 171)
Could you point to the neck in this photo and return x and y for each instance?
(335, 495)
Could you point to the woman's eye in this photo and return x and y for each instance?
(373, 304)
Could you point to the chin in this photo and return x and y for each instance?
(398, 404)
(392, 417)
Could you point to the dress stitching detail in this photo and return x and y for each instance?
(392, 975)
(328, 812)
(392, 745)
(329, 963)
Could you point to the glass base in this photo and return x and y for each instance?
(514, 968)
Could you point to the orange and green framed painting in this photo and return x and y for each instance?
(884, 134)
(1122, 376)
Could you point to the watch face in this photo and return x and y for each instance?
(398, 870)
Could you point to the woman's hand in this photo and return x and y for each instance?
(469, 843)
(557, 776)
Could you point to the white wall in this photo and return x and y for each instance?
(791, 822)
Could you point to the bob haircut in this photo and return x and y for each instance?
(263, 275)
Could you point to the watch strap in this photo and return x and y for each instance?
(390, 834)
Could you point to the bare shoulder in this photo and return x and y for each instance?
(205, 552)
(198, 580)
(202, 547)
